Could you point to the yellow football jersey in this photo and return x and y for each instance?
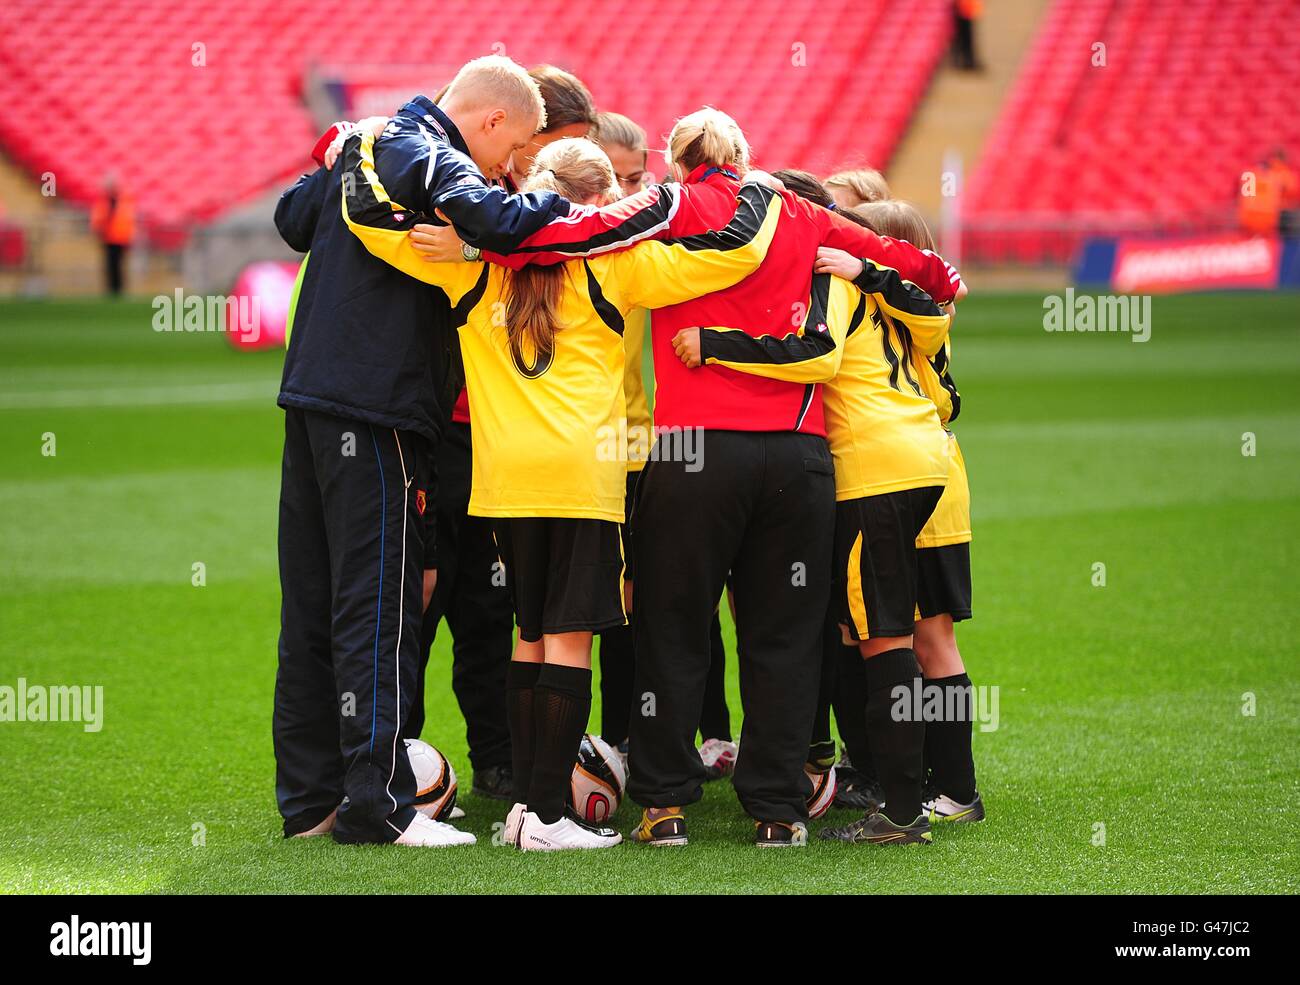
(932, 374)
(883, 430)
(547, 432)
(950, 521)
(639, 436)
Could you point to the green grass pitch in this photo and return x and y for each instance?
(1120, 706)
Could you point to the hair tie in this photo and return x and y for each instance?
(832, 206)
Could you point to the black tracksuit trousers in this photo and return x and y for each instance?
(617, 660)
(762, 506)
(352, 550)
(473, 597)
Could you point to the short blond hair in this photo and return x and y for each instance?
(500, 81)
(865, 184)
(707, 136)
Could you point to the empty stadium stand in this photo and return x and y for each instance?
(1191, 94)
(199, 107)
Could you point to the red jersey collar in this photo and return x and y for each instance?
(705, 171)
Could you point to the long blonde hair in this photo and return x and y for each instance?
(898, 219)
(707, 136)
(579, 170)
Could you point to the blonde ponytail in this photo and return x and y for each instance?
(707, 136)
(579, 170)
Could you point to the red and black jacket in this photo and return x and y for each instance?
(774, 300)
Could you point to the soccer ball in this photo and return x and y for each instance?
(821, 791)
(598, 781)
(435, 780)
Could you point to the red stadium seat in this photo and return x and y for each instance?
(1193, 92)
(117, 89)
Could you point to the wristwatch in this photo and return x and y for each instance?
(470, 253)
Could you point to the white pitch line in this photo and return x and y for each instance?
(145, 396)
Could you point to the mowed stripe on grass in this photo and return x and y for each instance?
(1118, 706)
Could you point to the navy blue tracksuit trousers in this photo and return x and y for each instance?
(352, 543)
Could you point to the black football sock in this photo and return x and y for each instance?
(617, 669)
(850, 708)
(821, 751)
(947, 742)
(561, 706)
(521, 679)
(896, 746)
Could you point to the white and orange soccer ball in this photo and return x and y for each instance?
(821, 791)
(435, 780)
(598, 781)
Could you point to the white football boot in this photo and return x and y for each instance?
(944, 808)
(510, 835)
(564, 835)
(425, 832)
(719, 758)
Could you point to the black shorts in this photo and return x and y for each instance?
(943, 583)
(875, 560)
(565, 575)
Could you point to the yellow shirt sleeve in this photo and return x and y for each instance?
(929, 381)
(810, 355)
(907, 303)
(929, 333)
(382, 224)
(634, 393)
(654, 274)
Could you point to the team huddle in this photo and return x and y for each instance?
(468, 435)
